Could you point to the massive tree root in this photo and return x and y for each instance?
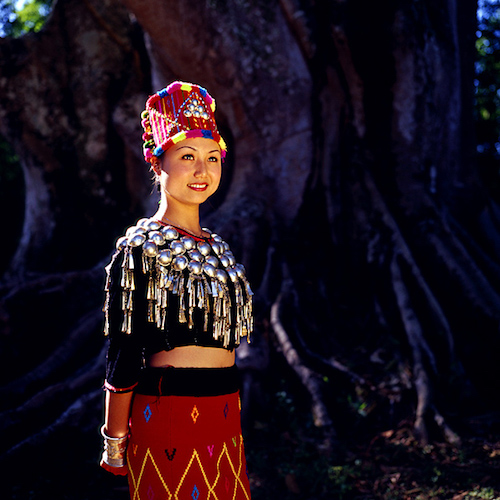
(432, 349)
(44, 398)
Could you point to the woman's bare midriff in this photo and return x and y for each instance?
(193, 357)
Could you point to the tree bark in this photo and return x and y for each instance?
(70, 97)
(351, 165)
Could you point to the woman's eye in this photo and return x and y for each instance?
(188, 157)
(213, 158)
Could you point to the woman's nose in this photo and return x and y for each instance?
(200, 168)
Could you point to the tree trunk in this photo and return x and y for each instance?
(350, 192)
(70, 97)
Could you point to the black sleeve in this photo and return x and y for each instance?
(124, 358)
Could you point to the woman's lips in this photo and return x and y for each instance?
(198, 187)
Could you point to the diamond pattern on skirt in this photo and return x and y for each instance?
(195, 493)
(147, 413)
(195, 414)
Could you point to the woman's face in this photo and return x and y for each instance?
(190, 171)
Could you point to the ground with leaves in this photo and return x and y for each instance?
(390, 466)
(293, 464)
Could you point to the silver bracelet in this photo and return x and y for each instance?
(114, 450)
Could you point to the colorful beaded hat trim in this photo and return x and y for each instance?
(180, 111)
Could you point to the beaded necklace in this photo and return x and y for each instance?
(178, 226)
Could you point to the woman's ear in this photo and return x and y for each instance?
(156, 165)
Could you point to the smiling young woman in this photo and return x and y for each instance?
(188, 174)
(177, 305)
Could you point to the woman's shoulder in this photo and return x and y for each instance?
(137, 234)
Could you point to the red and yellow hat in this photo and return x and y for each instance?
(180, 111)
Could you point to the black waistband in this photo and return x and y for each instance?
(188, 381)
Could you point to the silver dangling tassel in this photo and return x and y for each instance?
(206, 303)
(161, 296)
(175, 284)
(191, 290)
(128, 287)
(169, 282)
(200, 294)
(151, 295)
(182, 300)
(107, 288)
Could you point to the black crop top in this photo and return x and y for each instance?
(166, 288)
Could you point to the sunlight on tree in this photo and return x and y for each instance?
(18, 17)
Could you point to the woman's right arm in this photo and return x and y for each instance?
(117, 412)
(123, 364)
(115, 432)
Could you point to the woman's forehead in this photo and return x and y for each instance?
(198, 144)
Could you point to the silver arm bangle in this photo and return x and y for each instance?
(114, 450)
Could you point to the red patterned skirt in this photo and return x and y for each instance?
(185, 436)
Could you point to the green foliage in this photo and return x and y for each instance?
(484, 493)
(18, 17)
(487, 91)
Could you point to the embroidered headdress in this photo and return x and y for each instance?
(180, 111)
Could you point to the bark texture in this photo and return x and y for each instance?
(350, 194)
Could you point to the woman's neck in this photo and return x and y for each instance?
(187, 219)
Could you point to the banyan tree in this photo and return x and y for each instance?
(350, 193)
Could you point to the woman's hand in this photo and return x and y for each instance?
(114, 455)
(117, 471)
